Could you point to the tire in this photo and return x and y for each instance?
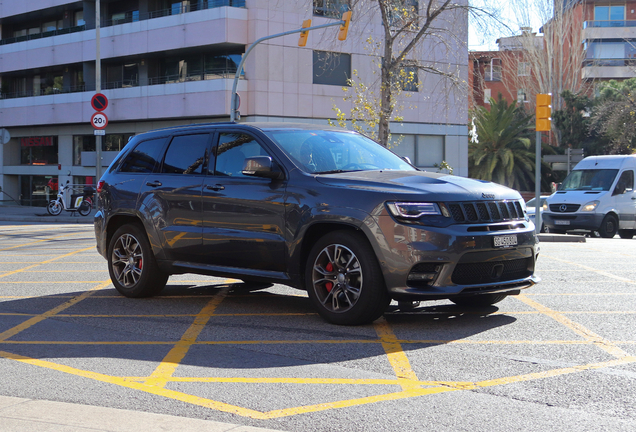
(54, 207)
(344, 280)
(483, 300)
(132, 265)
(85, 208)
(609, 226)
(626, 234)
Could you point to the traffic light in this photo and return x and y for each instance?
(302, 41)
(344, 28)
(543, 112)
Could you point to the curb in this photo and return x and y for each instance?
(561, 238)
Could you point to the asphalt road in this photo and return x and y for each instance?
(559, 357)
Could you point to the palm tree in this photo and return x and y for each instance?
(502, 151)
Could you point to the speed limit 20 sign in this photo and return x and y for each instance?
(99, 120)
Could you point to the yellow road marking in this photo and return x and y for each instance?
(37, 319)
(172, 360)
(37, 241)
(597, 340)
(398, 360)
(44, 262)
(601, 272)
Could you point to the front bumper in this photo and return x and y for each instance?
(428, 263)
(572, 221)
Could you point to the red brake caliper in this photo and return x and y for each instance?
(329, 285)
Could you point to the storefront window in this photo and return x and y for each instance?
(35, 191)
(38, 151)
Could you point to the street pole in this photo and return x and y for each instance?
(234, 100)
(98, 88)
(537, 184)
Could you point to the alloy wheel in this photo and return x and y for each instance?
(127, 260)
(337, 278)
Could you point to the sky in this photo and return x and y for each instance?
(508, 11)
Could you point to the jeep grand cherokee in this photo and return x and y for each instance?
(317, 208)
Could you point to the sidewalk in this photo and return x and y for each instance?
(18, 213)
(28, 415)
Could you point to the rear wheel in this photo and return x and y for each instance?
(609, 226)
(344, 280)
(626, 234)
(132, 265)
(482, 300)
(85, 208)
(54, 207)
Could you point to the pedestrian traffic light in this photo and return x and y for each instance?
(302, 41)
(543, 112)
(344, 28)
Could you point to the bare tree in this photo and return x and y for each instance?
(415, 40)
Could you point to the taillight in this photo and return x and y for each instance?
(100, 185)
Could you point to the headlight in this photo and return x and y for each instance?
(591, 206)
(409, 210)
(544, 206)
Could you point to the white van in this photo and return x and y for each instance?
(598, 195)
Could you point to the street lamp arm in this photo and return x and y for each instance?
(233, 103)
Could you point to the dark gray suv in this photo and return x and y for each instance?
(317, 208)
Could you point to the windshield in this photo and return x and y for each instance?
(592, 179)
(323, 152)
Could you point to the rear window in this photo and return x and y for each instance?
(144, 157)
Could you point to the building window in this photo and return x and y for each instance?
(408, 78)
(493, 70)
(331, 8)
(38, 151)
(332, 68)
(424, 151)
(521, 96)
(523, 69)
(609, 16)
(487, 95)
(86, 143)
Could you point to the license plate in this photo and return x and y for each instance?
(561, 222)
(507, 240)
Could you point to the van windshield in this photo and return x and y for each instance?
(592, 179)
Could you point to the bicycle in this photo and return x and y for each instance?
(83, 204)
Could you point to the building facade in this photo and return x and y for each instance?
(166, 63)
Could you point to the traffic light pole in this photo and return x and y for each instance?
(234, 102)
(537, 184)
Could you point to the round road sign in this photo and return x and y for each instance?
(99, 102)
(99, 120)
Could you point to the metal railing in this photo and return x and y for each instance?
(609, 62)
(42, 35)
(53, 91)
(625, 23)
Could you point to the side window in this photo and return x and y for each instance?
(144, 157)
(231, 152)
(186, 154)
(625, 183)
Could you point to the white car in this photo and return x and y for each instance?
(531, 208)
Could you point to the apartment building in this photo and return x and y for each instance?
(168, 62)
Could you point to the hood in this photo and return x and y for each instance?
(575, 197)
(413, 184)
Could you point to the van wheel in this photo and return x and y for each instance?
(344, 281)
(132, 265)
(609, 226)
(626, 234)
(482, 300)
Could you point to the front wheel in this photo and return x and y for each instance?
(85, 208)
(54, 207)
(609, 226)
(483, 300)
(132, 265)
(344, 281)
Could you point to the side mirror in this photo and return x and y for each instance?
(407, 159)
(261, 166)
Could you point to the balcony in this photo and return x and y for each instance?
(611, 68)
(129, 17)
(595, 30)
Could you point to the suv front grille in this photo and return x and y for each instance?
(495, 271)
(485, 211)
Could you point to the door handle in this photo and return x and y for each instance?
(216, 187)
(153, 184)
